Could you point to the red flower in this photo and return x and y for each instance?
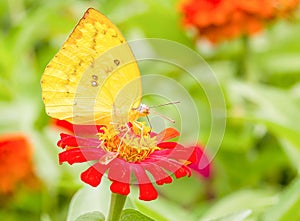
(218, 20)
(16, 163)
(126, 150)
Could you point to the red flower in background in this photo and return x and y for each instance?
(218, 20)
(130, 149)
(16, 163)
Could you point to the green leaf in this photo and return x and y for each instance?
(239, 216)
(90, 199)
(91, 216)
(150, 24)
(6, 93)
(288, 205)
(277, 109)
(134, 215)
(292, 152)
(254, 200)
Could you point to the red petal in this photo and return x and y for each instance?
(147, 190)
(119, 173)
(201, 164)
(178, 152)
(64, 124)
(92, 175)
(120, 188)
(167, 180)
(167, 145)
(193, 158)
(160, 176)
(119, 170)
(183, 153)
(77, 129)
(183, 171)
(160, 153)
(79, 155)
(85, 130)
(167, 134)
(74, 141)
(168, 164)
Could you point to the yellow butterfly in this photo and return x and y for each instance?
(94, 78)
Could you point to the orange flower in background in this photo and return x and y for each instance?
(16, 163)
(218, 20)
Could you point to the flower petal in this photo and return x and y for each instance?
(167, 145)
(64, 124)
(183, 153)
(147, 190)
(119, 170)
(179, 152)
(16, 167)
(92, 175)
(76, 128)
(120, 188)
(201, 165)
(79, 155)
(75, 141)
(119, 174)
(160, 176)
(183, 171)
(173, 166)
(165, 180)
(167, 134)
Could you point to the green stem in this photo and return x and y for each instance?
(241, 71)
(117, 202)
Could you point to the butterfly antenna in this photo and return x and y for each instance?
(163, 116)
(161, 105)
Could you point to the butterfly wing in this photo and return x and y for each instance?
(94, 78)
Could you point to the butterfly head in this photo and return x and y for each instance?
(143, 110)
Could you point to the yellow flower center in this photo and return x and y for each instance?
(132, 143)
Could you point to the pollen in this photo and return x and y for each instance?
(131, 141)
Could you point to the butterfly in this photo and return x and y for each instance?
(94, 78)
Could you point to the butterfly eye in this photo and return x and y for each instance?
(117, 62)
(95, 77)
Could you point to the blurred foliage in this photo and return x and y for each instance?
(256, 170)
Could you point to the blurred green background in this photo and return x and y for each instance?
(255, 174)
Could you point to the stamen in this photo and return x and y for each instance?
(121, 141)
(131, 142)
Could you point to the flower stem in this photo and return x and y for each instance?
(117, 202)
(241, 71)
